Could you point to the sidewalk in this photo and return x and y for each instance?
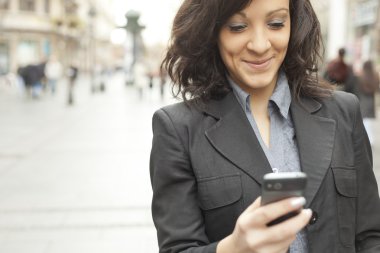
(76, 179)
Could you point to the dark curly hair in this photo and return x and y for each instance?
(194, 64)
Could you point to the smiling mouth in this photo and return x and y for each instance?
(260, 64)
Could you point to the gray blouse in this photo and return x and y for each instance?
(282, 152)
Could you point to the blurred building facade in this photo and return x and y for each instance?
(352, 24)
(364, 31)
(76, 31)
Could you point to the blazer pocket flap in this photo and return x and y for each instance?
(219, 191)
(345, 181)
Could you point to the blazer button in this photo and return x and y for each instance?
(314, 218)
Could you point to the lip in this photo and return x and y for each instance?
(259, 64)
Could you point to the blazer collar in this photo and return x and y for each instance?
(218, 108)
(310, 105)
(234, 138)
(315, 139)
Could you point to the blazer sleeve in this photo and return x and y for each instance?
(176, 213)
(368, 203)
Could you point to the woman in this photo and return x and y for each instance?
(368, 86)
(247, 72)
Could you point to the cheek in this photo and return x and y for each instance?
(281, 41)
(227, 55)
(231, 46)
(227, 50)
(223, 56)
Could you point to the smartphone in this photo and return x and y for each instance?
(282, 185)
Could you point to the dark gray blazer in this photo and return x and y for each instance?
(207, 167)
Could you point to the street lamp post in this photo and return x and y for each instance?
(92, 47)
(70, 24)
(134, 28)
(2, 3)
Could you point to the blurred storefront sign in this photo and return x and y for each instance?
(366, 12)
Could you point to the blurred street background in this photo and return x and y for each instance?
(79, 82)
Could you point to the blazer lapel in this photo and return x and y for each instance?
(315, 138)
(235, 139)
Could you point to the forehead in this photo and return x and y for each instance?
(264, 7)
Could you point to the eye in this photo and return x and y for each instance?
(237, 27)
(276, 25)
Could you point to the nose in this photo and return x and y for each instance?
(259, 42)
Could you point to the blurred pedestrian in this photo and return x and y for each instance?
(41, 73)
(253, 104)
(352, 81)
(368, 86)
(105, 74)
(140, 77)
(72, 74)
(163, 78)
(32, 75)
(53, 72)
(21, 72)
(337, 70)
(151, 79)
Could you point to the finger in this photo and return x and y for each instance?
(299, 221)
(270, 212)
(268, 240)
(281, 246)
(256, 204)
(288, 229)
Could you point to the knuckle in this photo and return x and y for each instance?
(242, 224)
(287, 206)
(263, 215)
(252, 244)
(255, 243)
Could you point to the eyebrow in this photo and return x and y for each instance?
(280, 9)
(269, 13)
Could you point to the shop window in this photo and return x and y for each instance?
(27, 5)
(4, 4)
(70, 7)
(27, 52)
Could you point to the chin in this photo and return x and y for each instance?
(257, 83)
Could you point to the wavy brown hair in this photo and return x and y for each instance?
(197, 70)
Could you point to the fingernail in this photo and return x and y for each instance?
(308, 211)
(298, 202)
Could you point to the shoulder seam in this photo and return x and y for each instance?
(176, 131)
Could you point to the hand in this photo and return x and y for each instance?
(252, 235)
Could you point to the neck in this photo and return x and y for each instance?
(259, 99)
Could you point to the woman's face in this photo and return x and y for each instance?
(253, 44)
